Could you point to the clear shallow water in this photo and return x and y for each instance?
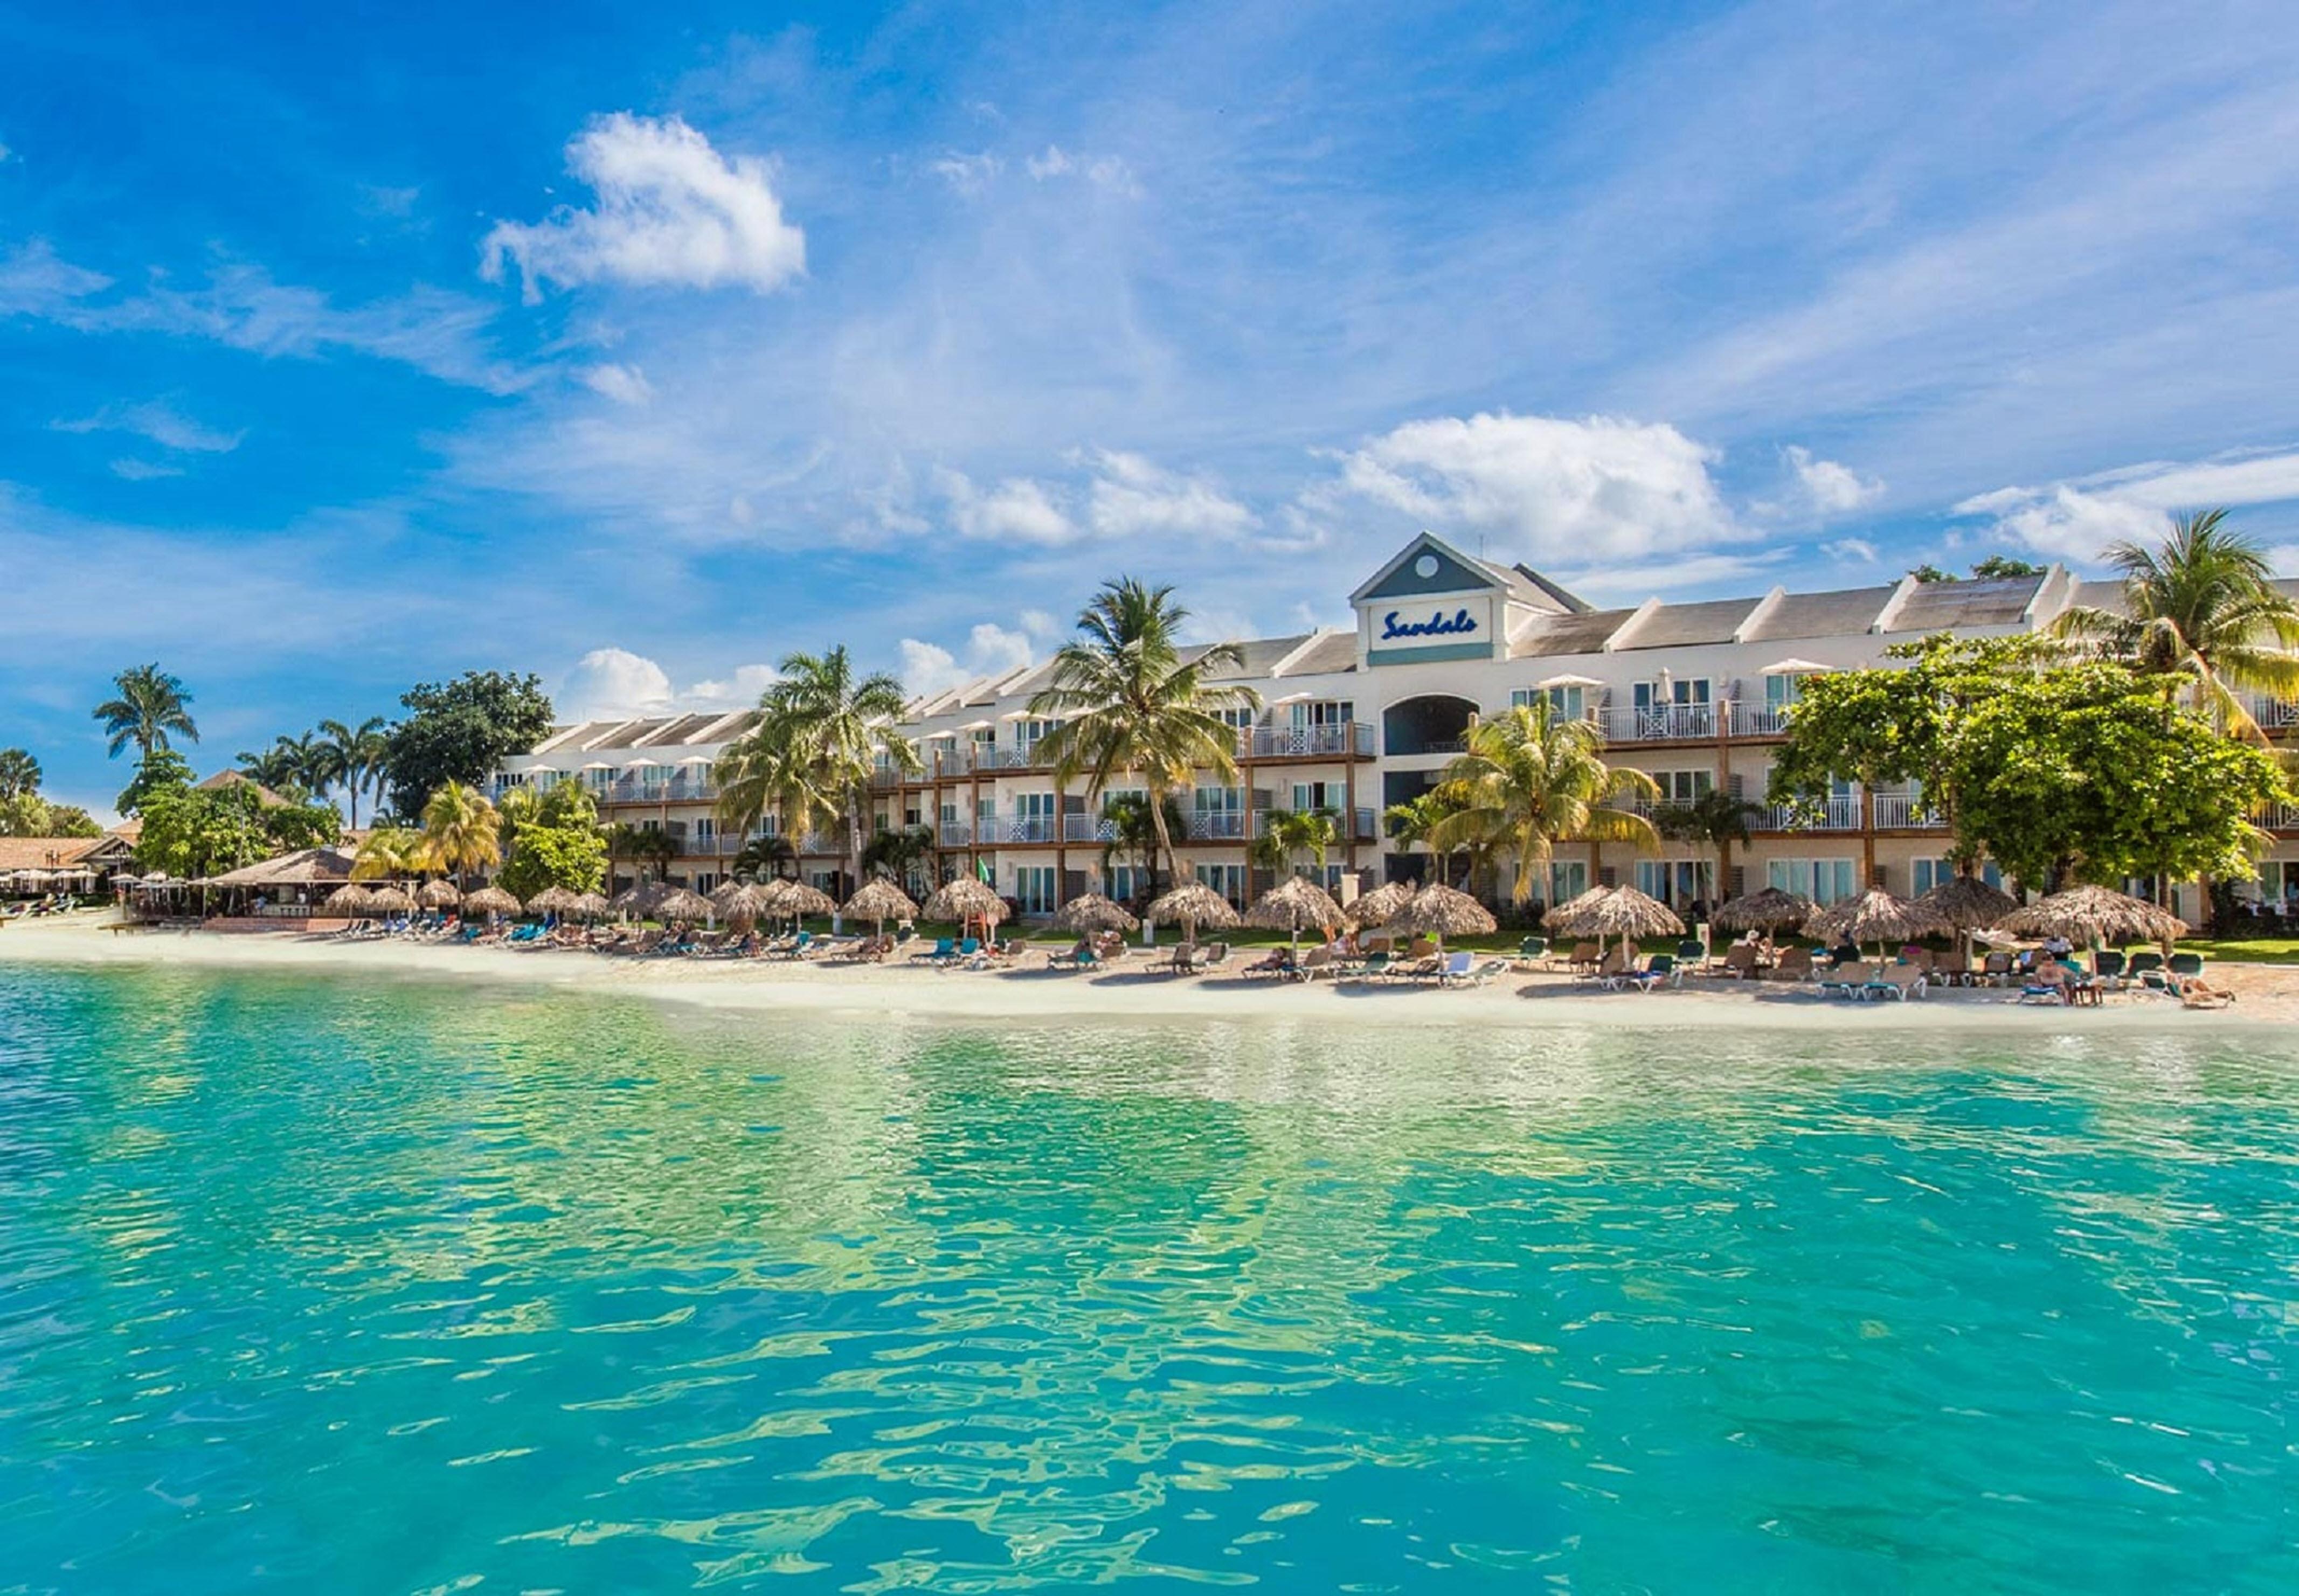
(406, 1288)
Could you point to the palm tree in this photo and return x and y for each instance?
(461, 829)
(1717, 817)
(1415, 821)
(392, 854)
(19, 774)
(1127, 702)
(1530, 779)
(353, 757)
(900, 853)
(823, 728)
(149, 709)
(2203, 606)
(640, 843)
(1133, 835)
(294, 766)
(1292, 833)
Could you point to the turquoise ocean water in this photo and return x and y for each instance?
(394, 1287)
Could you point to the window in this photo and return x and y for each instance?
(1116, 795)
(1677, 882)
(705, 829)
(1564, 703)
(1684, 786)
(1656, 695)
(1122, 882)
(1822, 880)
(1217, 800)
(1034, 888)
(1568, 879)
(1228, 880)
(1925, 875)
(1035, 806)
(986, 808)
(1319, 795)
(1780, 691)
(1323, 712)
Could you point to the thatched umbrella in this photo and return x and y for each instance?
(439, 895)
(1193, 903)
(2096, 917)
(1622, 911)
(391, 901)
(639, 898)
(682, 905)
(590, 906)
(1877, 916)
(878, 902)
(963, 901)
(1092, 911)
(1378, 907)
(798, 900)
(1441, 912)
(490, 901)
(552, 900)
(1769, 910)
(744, 902)
(1970, 904)
(353, 902)
(1293, 903)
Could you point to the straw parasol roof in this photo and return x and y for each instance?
(744, 902)
(1193, 903)
(1969, 904)
(797, 898)
(640, 898)
(306, 867)
(355, 903)
(1768, 910)
(880, 901)
(391, 901)
(1092, 911)
(1440, 911)
(490, 901)
(679, 904)
(1292, 904)
(2094, 916)
(552, 900)
(1376, 906)
(965, 899)
(1617, 912)
(1877, 916)
(590, 906)
(439, 895)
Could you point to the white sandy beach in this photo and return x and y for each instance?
(2266, 995)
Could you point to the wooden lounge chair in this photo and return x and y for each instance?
(1583, 958)
(1740, 961)
(1845, 981)
(1319, 961)
(1902, 981)
(1795, 965)
(1611, 968)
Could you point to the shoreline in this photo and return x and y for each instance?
(2268, 996)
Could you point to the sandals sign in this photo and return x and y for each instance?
(1459, 624)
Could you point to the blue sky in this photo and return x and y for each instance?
(637, 346)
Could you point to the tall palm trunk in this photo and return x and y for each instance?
(1164, 839)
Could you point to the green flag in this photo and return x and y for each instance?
(981, 869)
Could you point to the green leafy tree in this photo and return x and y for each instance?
(162, 770)
(823, 728)
(2201, 609)
(641, 845)
(1290, 833)
(899, 853)
(1999, 568)
(765, 858)
(543, 855)
(294, 826)
(1128, 704)
(19, 774)
(190, 833)
(1930, 573)
(1529, 778)
(1716, 817)
(150, 707)
(459, 730)
(70, 820)
(1135, 835)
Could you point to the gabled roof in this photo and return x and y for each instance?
(44, 853)
(1945, 606)
(233, 778)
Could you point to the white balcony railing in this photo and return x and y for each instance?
(1835, 814)
(1353, 740)
(1906, 811)
(1218, 825)
(993, 830)
(1759, 720)
(1659, 722)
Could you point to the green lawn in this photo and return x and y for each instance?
(2248, 950)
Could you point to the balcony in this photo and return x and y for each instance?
(995, 829)
(2274, 714)
(674, 790)
(2283, 817)
(1093, 830)
(1760, 720)
(1218, 825)
(955, 833)
(1358, 825)
(1836, 815)
(1660, 723)
(1906, 811)
(1350, 740)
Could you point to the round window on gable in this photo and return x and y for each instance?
(1426, 566)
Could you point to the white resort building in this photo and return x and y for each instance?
(1353, 721)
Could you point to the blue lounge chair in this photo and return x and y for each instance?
(1660, 969)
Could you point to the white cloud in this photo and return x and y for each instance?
(135, 470)
(2076, 520)
(625, 384)
(160, 422)
(1132, 497)
(670, 210)
(1634, 583)
(1852, 551)
(1018, 508)
(990, 651)
(1105, 171)
(968, 174)
(2283, 559)
(1602, 488)
(1832, 488)
(611, 681)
